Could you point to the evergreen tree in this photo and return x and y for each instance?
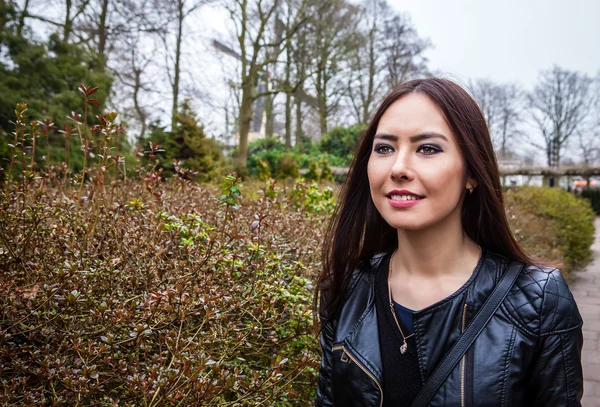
(45, 75)
(188, 143)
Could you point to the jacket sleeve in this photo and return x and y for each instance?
(557, 378)
(324, 397)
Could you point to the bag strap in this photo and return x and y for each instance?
(467, 338)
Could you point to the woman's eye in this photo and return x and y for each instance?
(379, 147)
(425, 149)
(429, 150)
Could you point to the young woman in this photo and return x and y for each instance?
(417, 244)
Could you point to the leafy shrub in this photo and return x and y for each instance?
(565, 222)
(592, 195)
(340, 142)
(263, 171)
(270, 151)
(267, 150)
(312, 199)
(313, 171)
(265, 144)
(201, 297)
(187, 146)
(287, 166)
(326, 174)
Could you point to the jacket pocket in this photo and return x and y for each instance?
(352, 383)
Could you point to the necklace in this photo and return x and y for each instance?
(404, 346)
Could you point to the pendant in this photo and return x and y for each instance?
(403, 347)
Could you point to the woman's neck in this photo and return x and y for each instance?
(434, 252)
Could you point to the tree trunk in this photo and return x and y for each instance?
(288, 98)
(245, 118)
(2, 16)
(68, 27)
(288, 120)
(138, 109)
(299, 135)
(180, 18)
(321, 88)
(102, 34)
(323, 116)
(269, 119)
(372, 72)
(21, 17)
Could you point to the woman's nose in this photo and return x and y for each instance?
(402, 168)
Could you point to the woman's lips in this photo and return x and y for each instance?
(404, 204)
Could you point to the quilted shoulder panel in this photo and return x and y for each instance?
(541, 301)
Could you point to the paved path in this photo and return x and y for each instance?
(586, 289)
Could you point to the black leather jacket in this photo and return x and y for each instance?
(529, 354)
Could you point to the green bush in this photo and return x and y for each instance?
(310, 198)
(567, 218)
(340, 142)
(263, 171)
(313, 171)
(593, 195)
(287, 167)
(326, 174)
(270, 151)
(190, 144)
(193, 299)
(266, 144)
(186, 147)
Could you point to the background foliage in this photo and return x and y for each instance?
(165, 293)
(553, 223)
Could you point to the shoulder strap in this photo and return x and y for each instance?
(467, 338)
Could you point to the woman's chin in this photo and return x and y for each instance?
(412, 226)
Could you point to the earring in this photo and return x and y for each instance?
(471, 190)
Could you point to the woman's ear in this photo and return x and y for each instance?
(471, 185)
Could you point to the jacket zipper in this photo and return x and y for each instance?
(462, 368)
(344, 358)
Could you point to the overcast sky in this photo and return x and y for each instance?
(508, 40)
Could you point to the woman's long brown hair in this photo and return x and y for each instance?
(357, 231)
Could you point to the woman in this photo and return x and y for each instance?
(418, 242)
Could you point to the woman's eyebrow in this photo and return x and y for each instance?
(413, 139)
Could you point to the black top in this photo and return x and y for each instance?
(401, 377)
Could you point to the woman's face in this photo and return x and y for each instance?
(414, 150)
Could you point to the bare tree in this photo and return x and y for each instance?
(333, 40)
(403, 50)
(71, 11)
(588, 135)
(174, 13)
(297, 61)
(133, 66)
(501, 105)
(104, 25)
(558, 105)
(487, 95)
(257, 48)
(362, 82)
(588, 144)
(300, 54)
(389, 51)
(509, 116)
